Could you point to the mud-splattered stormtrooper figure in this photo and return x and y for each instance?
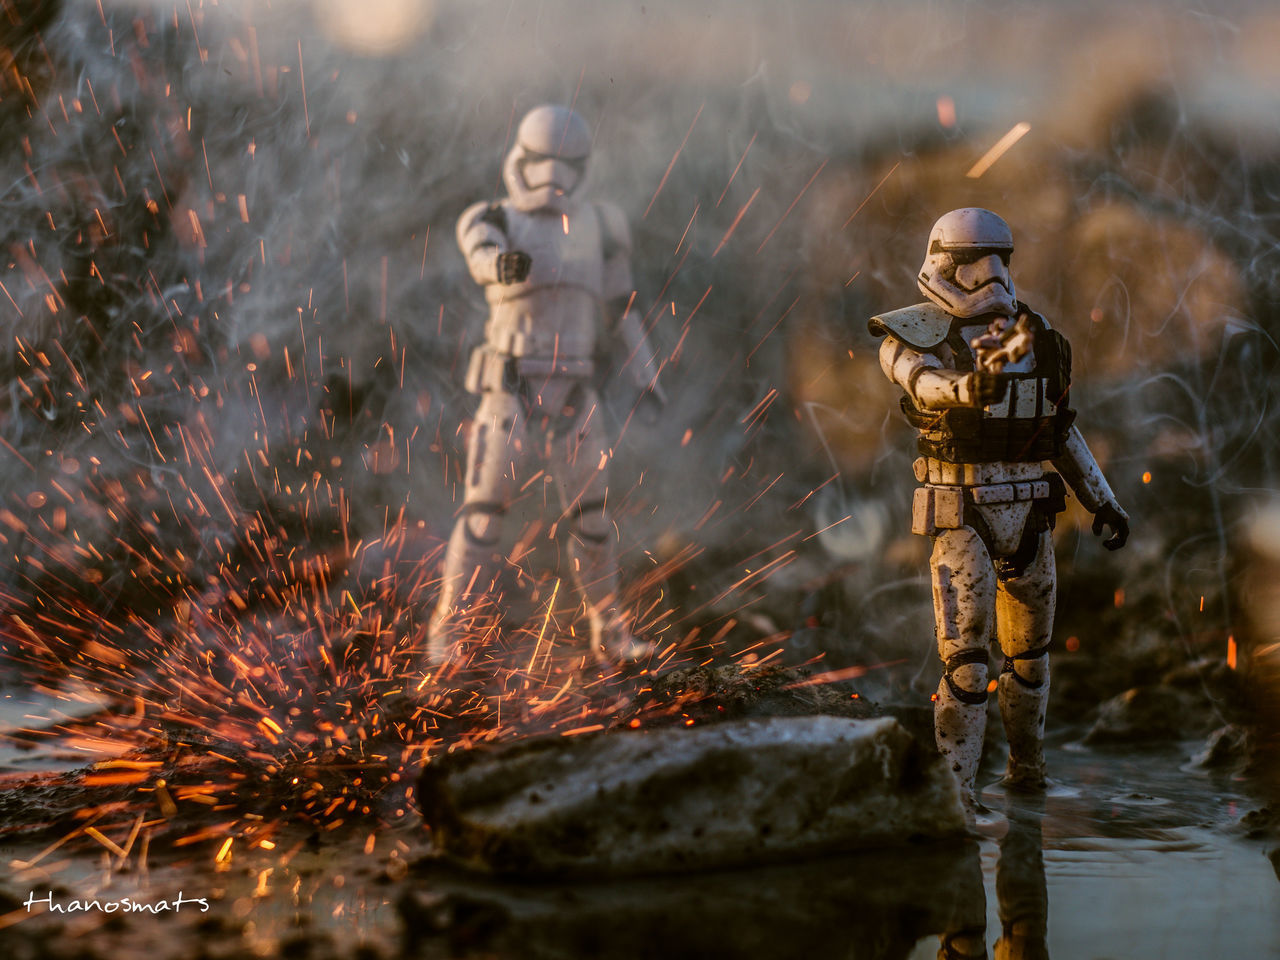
(550, 264)
(986, 383)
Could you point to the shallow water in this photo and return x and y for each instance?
(1131, 854)
(1138, 855)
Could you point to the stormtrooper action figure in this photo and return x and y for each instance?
(986, 384)
(550, 263)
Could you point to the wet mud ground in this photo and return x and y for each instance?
(1132, 853)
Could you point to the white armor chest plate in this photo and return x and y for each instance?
(566, 250)
(554, 313)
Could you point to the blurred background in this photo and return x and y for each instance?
(232, 423)
(236, 323)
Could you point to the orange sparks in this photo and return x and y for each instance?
(1231, 652)
(818, 533)
(1073, 644)
(224, 854)
(105, 841)
(867, 198)
(787, 212)
(738, 167)
(670, 166)
(736, 220)
(543, 630)
(167, 807)
(113, 779)
(1146, 477)
(564, 223)
(1119, 598)
(592, 728)
(1020, 130)
(302, 80)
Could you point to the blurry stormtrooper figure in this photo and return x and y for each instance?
(550, 263)
(986, 383)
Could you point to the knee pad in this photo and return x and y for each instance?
(590, 523)
(1011, 661)
(481, 522)
(977, 658)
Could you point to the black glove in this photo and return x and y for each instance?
(1109, 515)
(987, 388)
(513, 267)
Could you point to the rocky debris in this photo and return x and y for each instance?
(1151, 713)
(1227, 748)
(1261, 824)
(678, 799)
(822, 908)
(707, 694)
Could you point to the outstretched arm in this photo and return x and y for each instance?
(1082, 473)
(932, 386)
(482, 237)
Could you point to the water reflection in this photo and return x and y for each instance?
(1021, 891)
(873, 906)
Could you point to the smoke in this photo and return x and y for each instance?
(239, 320)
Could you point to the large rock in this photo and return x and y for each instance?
(683, 799)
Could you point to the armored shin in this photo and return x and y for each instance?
(469, 570)
(494, 451)
(582, 475)
(1024, 623)
(595, 569)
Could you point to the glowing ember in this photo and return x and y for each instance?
(946, 112)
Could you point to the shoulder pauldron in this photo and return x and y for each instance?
(923, 325)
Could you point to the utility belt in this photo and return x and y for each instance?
(964, 435)
(944, 507)
(568, 319)
(503, 338)
(491, 369)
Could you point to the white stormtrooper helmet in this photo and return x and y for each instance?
(966, 268)
(549, 159)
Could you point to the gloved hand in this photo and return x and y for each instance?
(513, 267)
(1110, 515)
(987, 388)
